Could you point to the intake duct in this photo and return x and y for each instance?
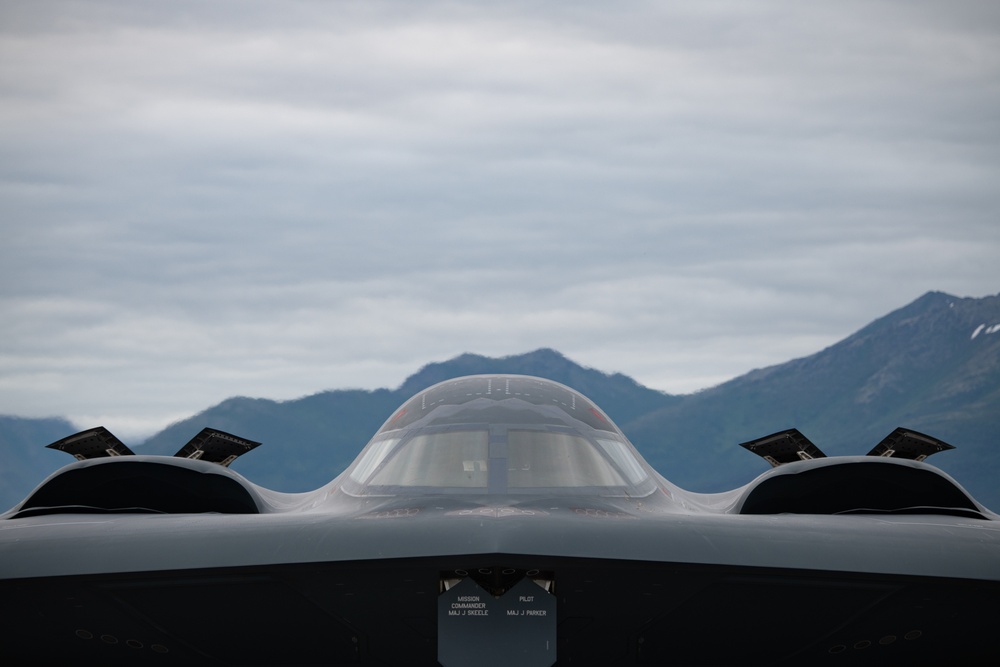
(860, 485)
(141, 485)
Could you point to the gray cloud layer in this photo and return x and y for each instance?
(205, 199)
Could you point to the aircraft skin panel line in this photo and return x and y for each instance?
(497, 520)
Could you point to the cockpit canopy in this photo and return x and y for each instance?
(499, 434)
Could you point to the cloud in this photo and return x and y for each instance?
(241, 198)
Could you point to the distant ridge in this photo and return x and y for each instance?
(933, 365)
(620, 396)
(919, 366)
(25, 461)
(311, 439)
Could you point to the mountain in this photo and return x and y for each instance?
(620, 396)
(312, 439)
(25, 460)
(933, 365)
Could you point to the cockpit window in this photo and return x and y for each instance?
(372, 457)
(622, 457)
(540, 459)
(500, 461)
(450, 459)
(499, 435)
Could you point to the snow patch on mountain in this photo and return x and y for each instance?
(983, 329)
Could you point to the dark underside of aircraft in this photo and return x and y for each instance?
(499, 520)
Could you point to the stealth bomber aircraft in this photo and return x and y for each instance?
(499, 520)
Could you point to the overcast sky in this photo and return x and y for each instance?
(207, 199)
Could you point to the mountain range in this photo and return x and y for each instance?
(933, 366)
